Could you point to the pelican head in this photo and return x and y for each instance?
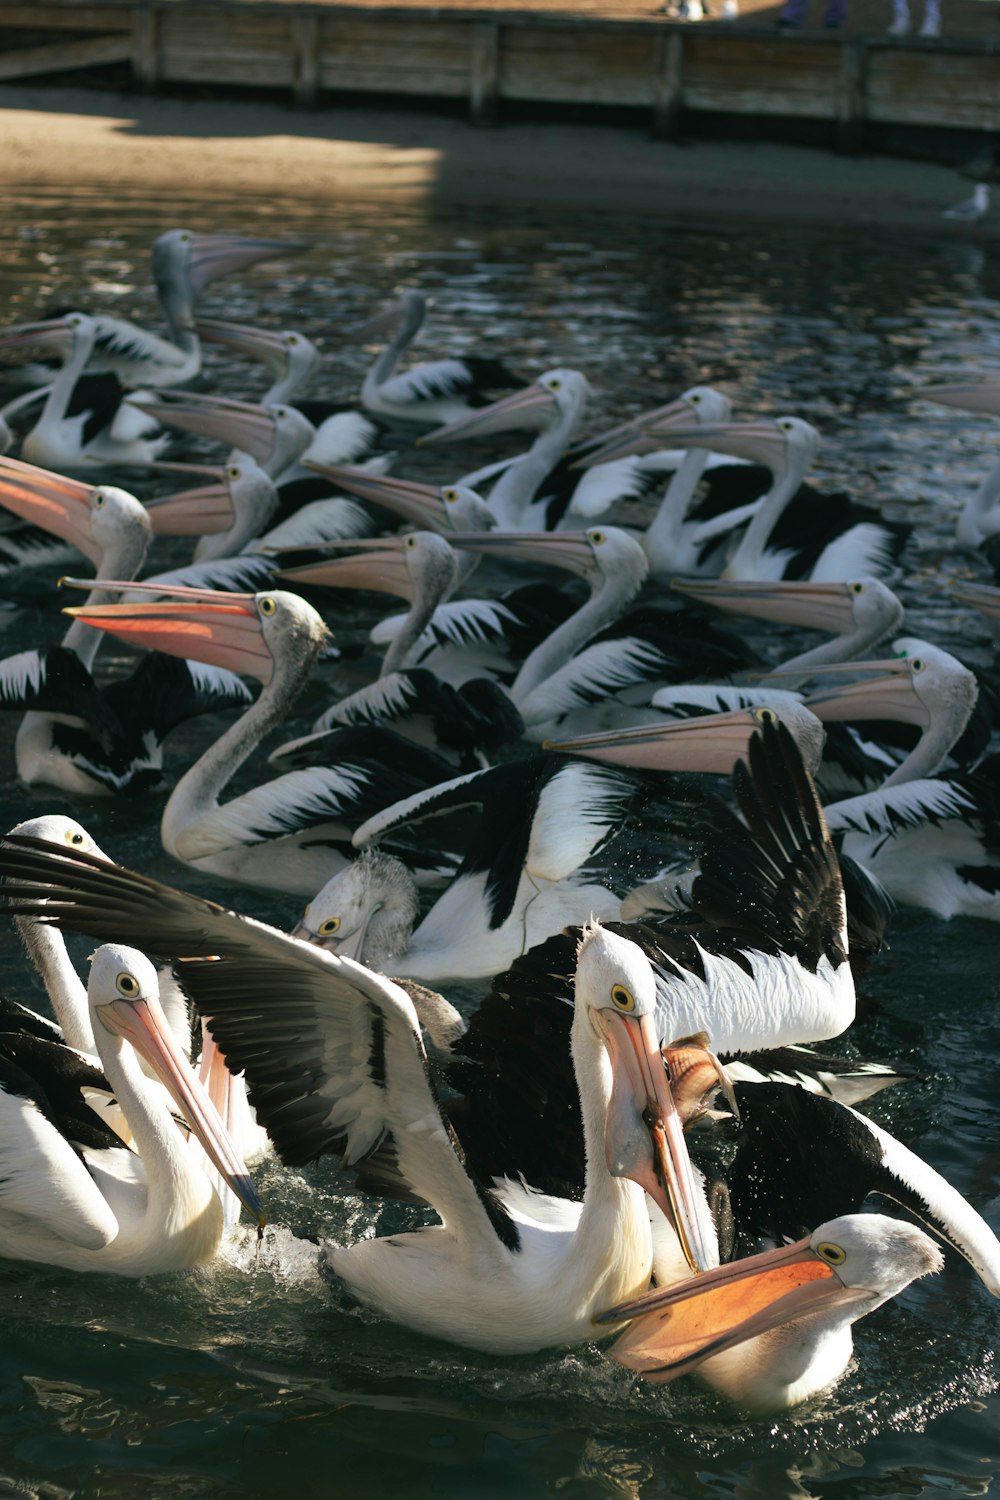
(843, 1270)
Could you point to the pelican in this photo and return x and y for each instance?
(84, 418)
(771, 1331)
(107, 1210)
(555, 403)
(980, 516)
(505, 1271)
(436, 392)
(287, 834)
(833, 540)
(183, 265)
(290, 357)
(75, 735)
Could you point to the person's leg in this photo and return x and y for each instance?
(900, 18)
(836, 13)
(793, 13)
(932, 18)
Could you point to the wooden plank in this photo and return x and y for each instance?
(484, 73)
(82, 18)
(583, 66)
(668, 95)
(380, 56)
(919, 87)
(852, 99)
(60, 57)
(146, 46)
(305, 66)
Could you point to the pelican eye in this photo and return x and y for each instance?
(73, 836)
(127, 985)
(293, 339)
(555, 384)
(99, 500)
(622, 998)
(765, 716)
(267, 606)
(596, 538)
(449, 495)
(693, 400)
(857, 588)
(233, 472)
(330, 926)
(834, 1255)
(917, 664)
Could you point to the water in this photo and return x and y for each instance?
(256, 1378)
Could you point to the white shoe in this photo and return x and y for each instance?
(900, 26)
(931, 25)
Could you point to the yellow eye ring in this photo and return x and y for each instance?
(622, 998)
(99, 500)
(127, 985)
(410, 541)
(917, 664)
(765, 716)
(449, 495)
(596, 538)
(834, 1255)
(330, 926)
(233, 472)
(555, 385)
(267, 606)
(857, 588)
(74, 837)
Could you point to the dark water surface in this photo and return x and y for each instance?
(256, 1378)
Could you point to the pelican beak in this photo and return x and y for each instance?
(204, 511)
(981, 394)
(142, 1023)
(387, 317)
(533, 407)
(220, 629)
(711, 743)
(643, 1112)
(53, 502)
(215, 255)
(675, 1329)
(263, 344)
(643, 434)
(982, 596)
(419, 503)
(572, 550)
(760, 442)
(52, 333)
(379, 565)
(884, 690)
(241, 424)
(814, 606)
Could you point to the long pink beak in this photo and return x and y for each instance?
(51, 501)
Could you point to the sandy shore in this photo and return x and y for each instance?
(51, 137)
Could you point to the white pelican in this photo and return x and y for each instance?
(831, 540)
(288, 833)
(290, 358)
(76, 735)
(505, 1270)
(436, 392)
(85, 419)
(555, 403)
(279, 436)
(771, 1331)
(98, 1209)
(980, 516)
(183, 265)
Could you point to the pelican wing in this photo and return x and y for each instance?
(43, 1182)
(54, 680)
(124, 347)
(246, 574)
(332, 1052)
(911, 804)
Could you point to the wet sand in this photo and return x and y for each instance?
(55, 137)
